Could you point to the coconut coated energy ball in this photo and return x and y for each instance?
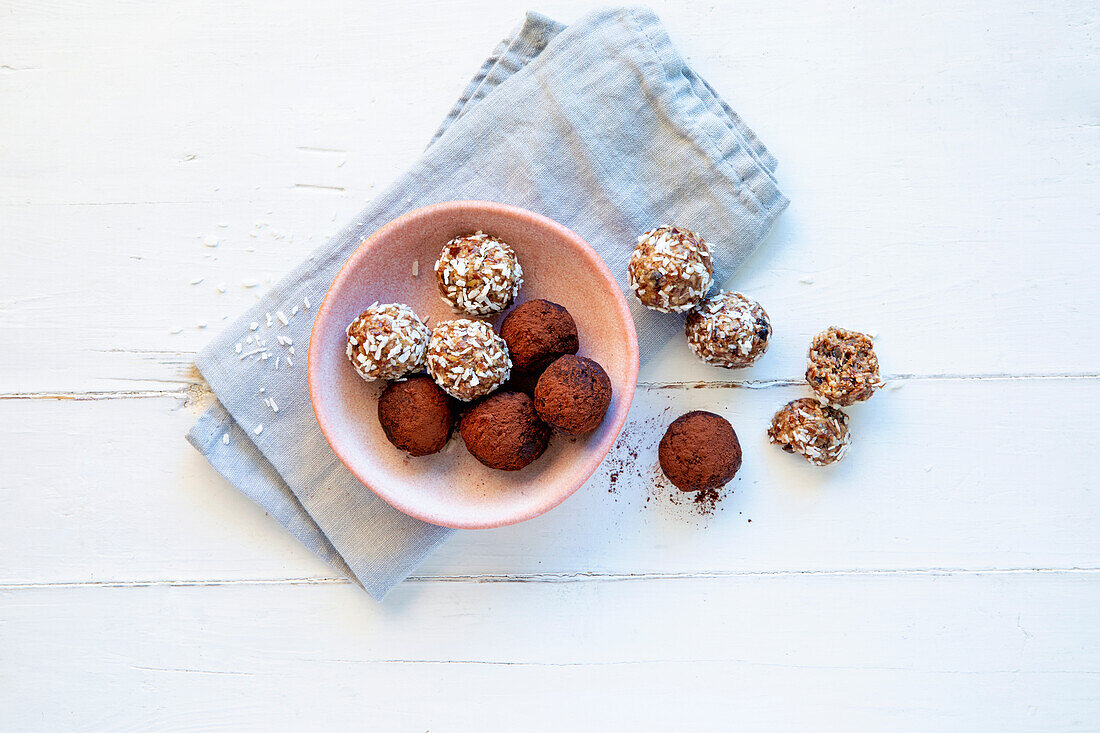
(729, 330)
(386, 341)
(670, 269)
(467, 359)
(843, 368)
(817, 432)
(478, 274)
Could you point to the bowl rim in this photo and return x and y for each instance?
(589, 463)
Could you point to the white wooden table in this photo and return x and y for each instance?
(942, 162)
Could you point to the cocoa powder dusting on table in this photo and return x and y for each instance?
(622, 460)
(703, 503)
(627, 460)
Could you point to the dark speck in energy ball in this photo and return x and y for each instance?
(503, 431)
(699, 451)
(573, 394)
(538, 332)
(416, 415)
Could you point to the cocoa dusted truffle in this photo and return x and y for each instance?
(817, 432)
(729, 330)
(478, 274)
(843, 368)
(416, 415)
(538, 332)
(503, 431)
(467, 359)
(386, 341)
(699, 451)
(670, 269)
(573, 394)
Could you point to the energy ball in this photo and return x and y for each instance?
(478, 274)
(416, 415)
(670, 269)
(467, 359)
(537, 333)
(386, 341)
(817, 432)
(699, 451)
(729, 330)
(573, 394)
(503, 431)
(843, 368)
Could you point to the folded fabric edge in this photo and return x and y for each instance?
(242, 464)
(509, 56)
(755, 144)
(228, 449)
(470, 89)
(707, 118)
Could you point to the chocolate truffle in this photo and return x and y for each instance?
(386, 341)
(478, 274)
(817, 432)
(729, 330)
(699, 451)
(467, 359)
(538, 332)
(573, 394)
(503, 431)
(670, 269)
(416, 415)
(843, 368)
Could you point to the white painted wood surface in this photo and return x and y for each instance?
(941, 161)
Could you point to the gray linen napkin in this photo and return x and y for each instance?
(601, 126)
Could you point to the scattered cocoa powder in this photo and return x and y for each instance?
(623, 465)
(703, 503)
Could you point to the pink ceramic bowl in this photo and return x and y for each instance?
(451, 488)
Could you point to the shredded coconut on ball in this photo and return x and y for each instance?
(467, 359)
(478, 274)
(386, 341)
(728, 330)
(817, 432)
(670, 269)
